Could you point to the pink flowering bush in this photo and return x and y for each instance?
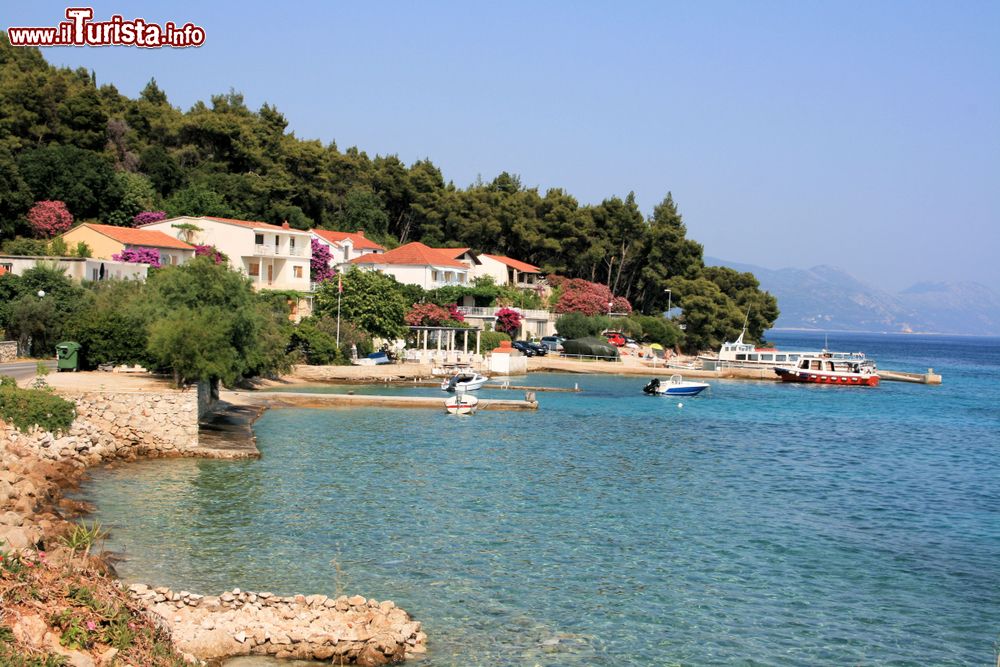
(508, 321)
(426, 315)
(319, 267)
(454, 314)
(49, 218)
(149, 256)
(587, 298)
(147, 217)
(211, 251)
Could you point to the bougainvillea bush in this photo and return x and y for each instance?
(426, 315)
(149, 256)
(508, 321)
(147, 217)
(210, 251)
(454, 313)
(319, 267)
(48, 218)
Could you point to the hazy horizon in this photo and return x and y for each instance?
(790, 134)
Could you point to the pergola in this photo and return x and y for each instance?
(446, 338)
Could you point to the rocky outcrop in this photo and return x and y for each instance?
(315, 627)
(35, 466)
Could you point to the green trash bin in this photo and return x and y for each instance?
(68, 356)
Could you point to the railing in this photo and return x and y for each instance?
(449, 283)
(477, 311)
(295, 252)
(263, 250)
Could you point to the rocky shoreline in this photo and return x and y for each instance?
(36, 467)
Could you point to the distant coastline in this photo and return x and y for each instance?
(878, 333)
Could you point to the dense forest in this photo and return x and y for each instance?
(109, 157)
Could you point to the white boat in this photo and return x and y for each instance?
(461, 404)
(675, 386)
(746, 355)
(464, 381)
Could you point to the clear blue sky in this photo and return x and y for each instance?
(865, 135)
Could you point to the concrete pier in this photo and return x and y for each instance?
(274, 399)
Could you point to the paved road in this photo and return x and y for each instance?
(24, 370)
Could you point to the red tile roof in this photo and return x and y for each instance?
(143, 237)
(523, 267)
(253, 224)
(452, 253)
(411, 254)
(357, 239)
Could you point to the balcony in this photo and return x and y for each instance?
(270, 251)
(263, 250)
(483, 313)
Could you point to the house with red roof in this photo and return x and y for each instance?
(105, 241)
(345, 246)
(417, 264)
(273, 256)
(507, 271)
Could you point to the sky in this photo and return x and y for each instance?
(862, 135)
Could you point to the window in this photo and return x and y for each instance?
(434, 276)
(291, 244)
(173, 260)
(254, 268)
(258, 239)
(297, 271)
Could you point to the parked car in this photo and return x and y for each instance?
(541, 349)
(523, 346)
(615, 339)
(554, 343)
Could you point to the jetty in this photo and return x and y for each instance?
(503, 386)
(287, 399)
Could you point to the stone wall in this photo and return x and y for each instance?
(8, 351)
(315, 627)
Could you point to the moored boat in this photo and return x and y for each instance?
(464, 381)
(675, 386)
(461, 404)
(828, 369)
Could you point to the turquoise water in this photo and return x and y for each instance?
(760, 523)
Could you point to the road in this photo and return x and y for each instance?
(24, 370)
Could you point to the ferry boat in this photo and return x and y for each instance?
(746, 355)
(827, 369)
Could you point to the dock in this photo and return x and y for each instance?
(930, 377)
(283, 399)
(501, 386)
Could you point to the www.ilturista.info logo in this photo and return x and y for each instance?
(81, 30)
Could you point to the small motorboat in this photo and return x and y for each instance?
(464, 381)
(675, 386)
(461, 404)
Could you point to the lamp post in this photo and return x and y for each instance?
(610, 306)
(669, 299)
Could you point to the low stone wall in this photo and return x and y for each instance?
(315, 627)
(8, 351)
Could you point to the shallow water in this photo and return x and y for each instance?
(758, 524)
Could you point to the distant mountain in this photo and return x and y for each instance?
(825, 297)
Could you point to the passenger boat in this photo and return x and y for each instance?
(675, 386)
(461, 404)
(746, 355)
(828, 369)
(464, 381)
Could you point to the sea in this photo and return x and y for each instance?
(759, 523)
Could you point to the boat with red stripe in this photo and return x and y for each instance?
(827, 369)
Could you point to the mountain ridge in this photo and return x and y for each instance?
(826, 297)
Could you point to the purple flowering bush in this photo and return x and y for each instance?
(319, 267)
(149, 256)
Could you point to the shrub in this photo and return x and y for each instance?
(508, 320)
(426, 315)
(140, 255)
(23, 247)
(83, 250)
(490, 340)
(147, 217)
(26, 408)
(212, 252)
(578, 325)
(49, 218)
(319, 265)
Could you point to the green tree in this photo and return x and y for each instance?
(371, 300)
(709, 316)
(206, 323)
(84, 180)
(111, 325)
(578, 325)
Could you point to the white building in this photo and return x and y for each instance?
(273, 257)
(76, 268)
(416, 264)
(507, 271)
(345, 246)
